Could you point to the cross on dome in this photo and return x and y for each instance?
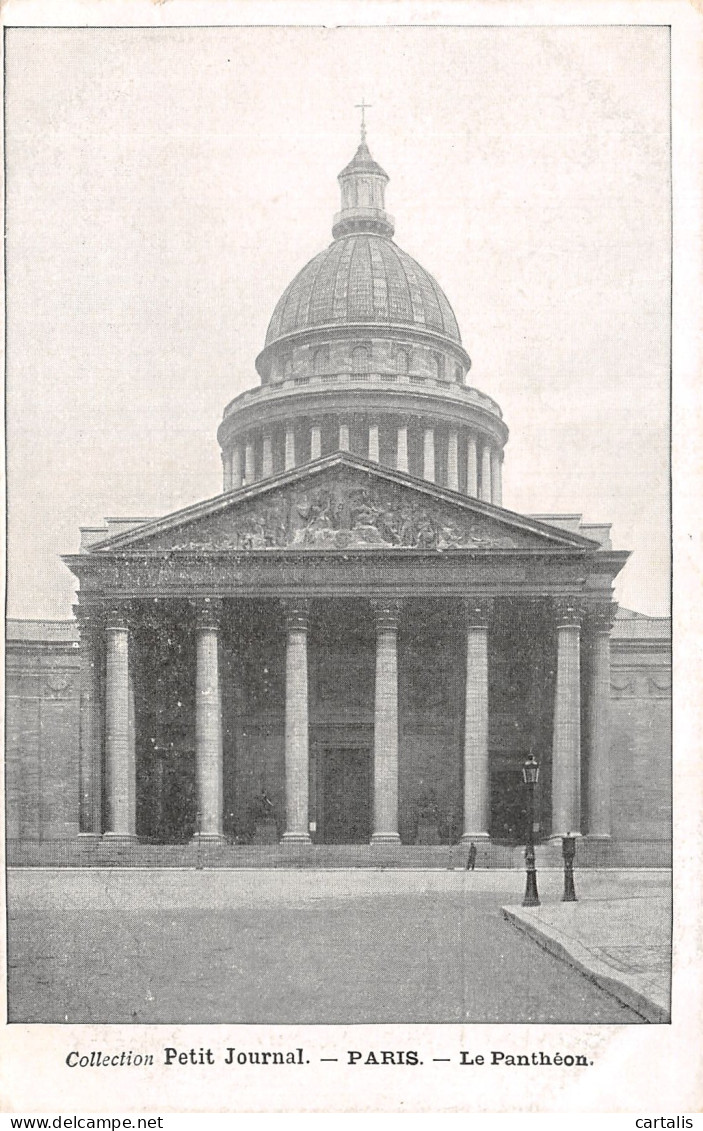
(363, 106)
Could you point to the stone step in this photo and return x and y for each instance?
(99, 853)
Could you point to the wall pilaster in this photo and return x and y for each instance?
(90, 767)
(598, 625)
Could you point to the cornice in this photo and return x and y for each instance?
(281, 403)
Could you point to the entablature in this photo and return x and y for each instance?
(346, 394)
(370, 573)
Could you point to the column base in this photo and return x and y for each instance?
(296, 838)
(121, 838)
(474, 838)
(208, 838)
(385, 838)
(89, 838)
(556, 838)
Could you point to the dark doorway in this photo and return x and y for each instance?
(167, 798)
(346, 796)
(508, 807)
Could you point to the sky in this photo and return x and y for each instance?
(165, 185)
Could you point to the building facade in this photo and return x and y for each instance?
(355, 642)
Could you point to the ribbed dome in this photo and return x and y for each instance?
(362, 277)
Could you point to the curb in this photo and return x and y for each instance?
(581, 959)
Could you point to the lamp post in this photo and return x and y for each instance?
(568, 850)
(530, 776)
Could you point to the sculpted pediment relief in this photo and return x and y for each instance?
(342, 508)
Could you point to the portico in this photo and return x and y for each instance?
(355, 643)
(346, 652)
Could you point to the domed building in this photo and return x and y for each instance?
(355, 643)
(363, 354)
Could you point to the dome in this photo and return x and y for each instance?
(363, 277)
(363, 354)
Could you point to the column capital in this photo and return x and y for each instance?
(387, 614)
(600, 615)
(568, 612)
(477, 611)
(117, 615)
(207, 612)
(297, 614)
(89, 615)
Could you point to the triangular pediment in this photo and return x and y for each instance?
(342, 503)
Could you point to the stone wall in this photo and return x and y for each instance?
(392, 354)
(42, 721)
(641, 728)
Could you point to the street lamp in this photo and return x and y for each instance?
(530, 776)
(568, 850)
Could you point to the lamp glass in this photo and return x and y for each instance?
(530, 772)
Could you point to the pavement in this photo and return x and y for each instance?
(621, 944)
(325, 947)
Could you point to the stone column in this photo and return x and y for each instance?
(343, 437)
(208, 721)
(374, 451)
(119, 750)
(598, 705)
(90, 768)
(453, 460)
(428, 470)
(477, 794)
(497, 477)
(486, 473)
(296, 725)
(227, 471)
(471, 467)
(236, 480)
(315, 441)
(566, 748)
(267, 455)
(385, 736)
(249, 461)
(290, 448)
(401, 461)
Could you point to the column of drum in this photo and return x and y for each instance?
(483, 461)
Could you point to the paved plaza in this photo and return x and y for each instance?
(302, 947)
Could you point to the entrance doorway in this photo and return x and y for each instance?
(345, 800)
(508, 807)
(167, 803)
